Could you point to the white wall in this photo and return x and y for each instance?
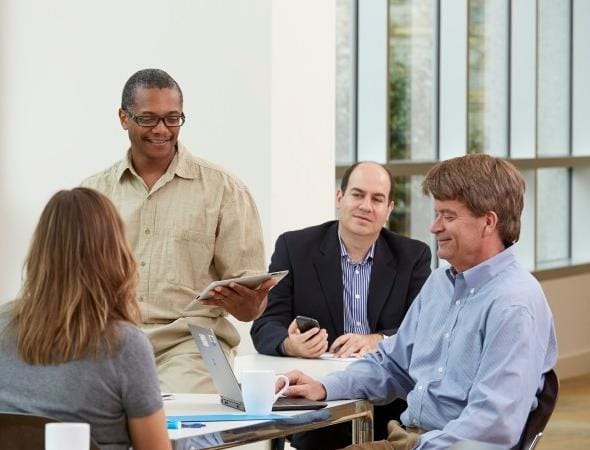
(568, 298)
(64, 64)
(303, 113)
(303, 110)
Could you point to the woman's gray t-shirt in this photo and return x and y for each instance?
(103, 392)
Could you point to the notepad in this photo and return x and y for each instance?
(333, 357)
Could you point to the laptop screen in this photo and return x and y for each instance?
(221, 372)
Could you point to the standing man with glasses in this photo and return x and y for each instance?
(189, 222)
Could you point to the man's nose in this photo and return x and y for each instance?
(160, 127)
(436, 226)
(366, 203)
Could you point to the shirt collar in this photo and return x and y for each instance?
(344, 253)
(181, 165)
(125, 165)
(478, 275)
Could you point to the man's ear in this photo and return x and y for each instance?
(391, 206)
(339, 195)
(491, 223)
(123, 118)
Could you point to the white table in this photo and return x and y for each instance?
(217, 435)
(315, 368)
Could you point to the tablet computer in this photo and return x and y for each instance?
(250, 281)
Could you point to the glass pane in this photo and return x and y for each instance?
(413, 211)
(580, 214)
(487, 112)
(553, 216)
(525, 248)
(345, 82)
(553, 98)
(411, 90)
(580, 77)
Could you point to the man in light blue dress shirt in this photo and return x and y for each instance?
(473, 349)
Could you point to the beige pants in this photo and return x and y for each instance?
(399, 438)
(179, 363)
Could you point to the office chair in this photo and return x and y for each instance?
(25, 432)
(538, 418)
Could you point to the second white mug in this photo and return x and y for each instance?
(67, 436)
(258, 390)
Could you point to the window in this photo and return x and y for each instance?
(478, 76)
(487, 78)
(411, 82)
(345, 79)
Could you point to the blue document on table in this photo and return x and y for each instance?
(225, 417)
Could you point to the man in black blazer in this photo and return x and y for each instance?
(355, 277)
(313, 286)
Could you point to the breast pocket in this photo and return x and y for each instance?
(463, 365)
(189, 255)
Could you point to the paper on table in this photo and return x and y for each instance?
(332, 357)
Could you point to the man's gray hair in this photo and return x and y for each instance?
(147, 79)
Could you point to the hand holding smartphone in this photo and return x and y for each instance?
(302, 342)
(306, 323)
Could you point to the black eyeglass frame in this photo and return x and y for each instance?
(157, 119)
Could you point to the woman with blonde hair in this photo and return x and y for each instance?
(69, 345)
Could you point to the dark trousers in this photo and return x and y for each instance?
(340, 435)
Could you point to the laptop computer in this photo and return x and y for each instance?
(225, 380)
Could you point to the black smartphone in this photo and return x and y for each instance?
(306, 323)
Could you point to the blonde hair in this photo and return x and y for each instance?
(79, 280)
(483, 183)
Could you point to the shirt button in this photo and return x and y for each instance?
(457, 302)
(358, 324)
(440, 370)
(472, 291)
(143, 263)
(141, 298)
(357, 296)
(415, 421)
(149, 197)
(356, 272)
(420, 387)
(147, 231)
(447, 335)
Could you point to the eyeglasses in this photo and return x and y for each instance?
(173, 120)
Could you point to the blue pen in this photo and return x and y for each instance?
(192, 425)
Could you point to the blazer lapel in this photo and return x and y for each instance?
(382, 277)
(329, 271)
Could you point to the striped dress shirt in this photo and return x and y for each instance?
(355, 283)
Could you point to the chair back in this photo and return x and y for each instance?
(25, 432)
(538, 418)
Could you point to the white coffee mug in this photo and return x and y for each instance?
(258, 390)
(67, 436)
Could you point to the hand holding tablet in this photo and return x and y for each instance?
(250, 281)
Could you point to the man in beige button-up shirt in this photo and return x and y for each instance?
(189, 222)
